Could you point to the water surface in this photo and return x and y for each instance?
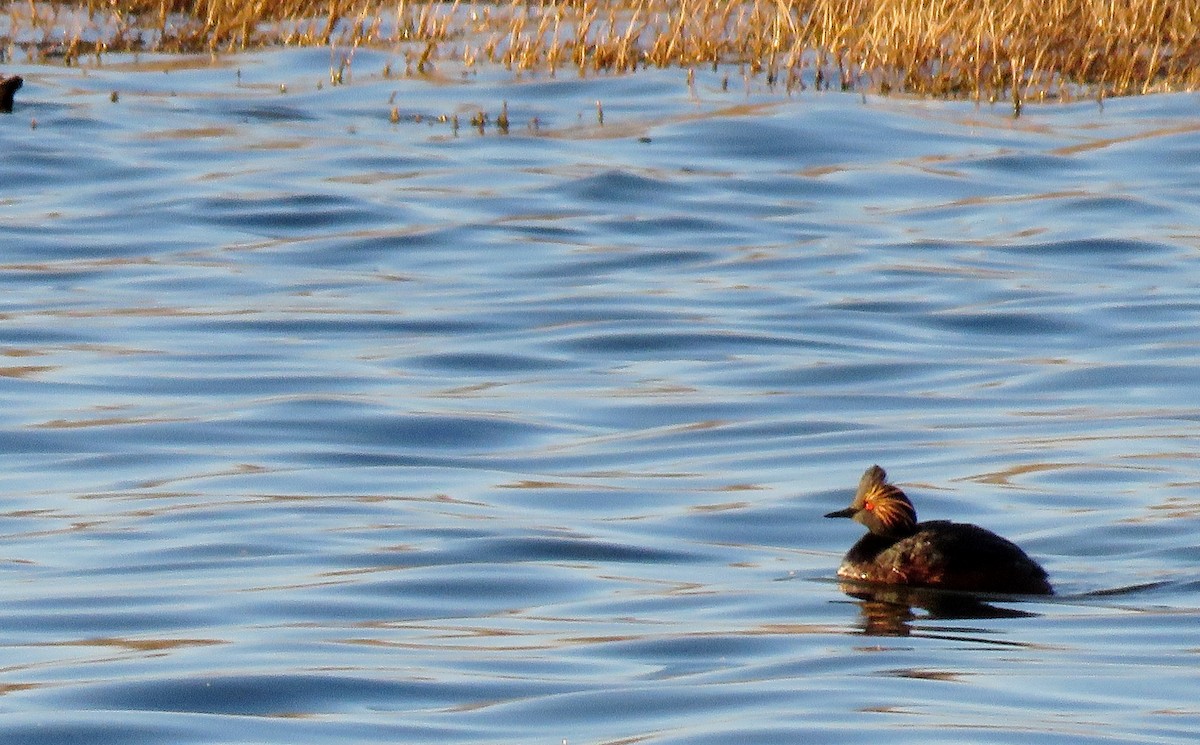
(323, 427)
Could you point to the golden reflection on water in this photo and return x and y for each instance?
(141, 645)
(191, 133)
(112, 421)
(1173, 508)
(25, 371)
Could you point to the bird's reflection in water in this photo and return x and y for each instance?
(889, 610)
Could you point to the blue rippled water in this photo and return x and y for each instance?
(322, 427)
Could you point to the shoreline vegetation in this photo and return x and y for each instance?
(1018, 50)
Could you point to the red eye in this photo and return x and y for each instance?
(868, 506)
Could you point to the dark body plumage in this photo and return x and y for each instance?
(8, 88)
(937, 553)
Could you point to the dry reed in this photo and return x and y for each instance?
(1017, 49)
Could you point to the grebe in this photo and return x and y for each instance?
(937, 553)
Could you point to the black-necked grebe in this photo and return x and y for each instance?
(937, 553)
(8, 88)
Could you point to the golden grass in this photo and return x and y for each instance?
(1018, 49)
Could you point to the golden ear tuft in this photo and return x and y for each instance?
(892, 507)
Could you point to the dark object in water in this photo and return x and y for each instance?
(937, 553)
(8, 88)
